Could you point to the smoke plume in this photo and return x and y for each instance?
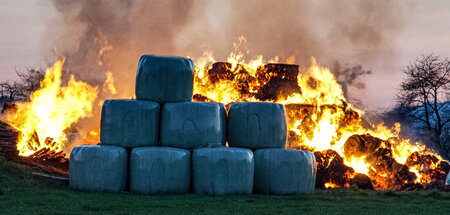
(347, 31)
(108, 36)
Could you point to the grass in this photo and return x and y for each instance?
(23, 193)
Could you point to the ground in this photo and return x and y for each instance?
(21, 192)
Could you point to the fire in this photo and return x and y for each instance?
(319, 116)
(319, 87)
(108, 85)
(52, 110)
(330, 185)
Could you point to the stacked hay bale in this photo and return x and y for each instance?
(262, 127)
(158, 140)
(129, 150)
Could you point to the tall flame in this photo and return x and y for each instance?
(323, 120)
(332, 119)
(52, 110)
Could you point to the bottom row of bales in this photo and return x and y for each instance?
(212, 171)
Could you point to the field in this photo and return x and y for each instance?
(21, 192)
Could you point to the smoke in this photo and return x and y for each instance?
(350, 76)
(347, 31)
(101, 36)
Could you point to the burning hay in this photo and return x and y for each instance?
(43, 121)
(45, 159)
(348, 149)
(386, 172)
(52, 110)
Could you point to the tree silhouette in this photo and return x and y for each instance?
(28, 82)
(424, 95)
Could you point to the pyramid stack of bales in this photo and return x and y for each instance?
(164, 143)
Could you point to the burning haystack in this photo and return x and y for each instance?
(349, 150)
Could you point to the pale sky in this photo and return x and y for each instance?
(428, 31)
(23, 43)
(22, 24)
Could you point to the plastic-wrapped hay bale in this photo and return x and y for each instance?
(164, 79)
(284, 171)
(192, 124)
(155, 170)
(130, 123)
(222, 171)
(257, 125)
(98, 168)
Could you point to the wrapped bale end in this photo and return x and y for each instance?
(129, 123)
(284, 171)
(192, 124)
(255, 125)
(160, 170)
(164, 79)
(98, 168)
(222, 171)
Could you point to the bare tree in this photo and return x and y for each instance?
(10, 90)
(29, 81)
(424, 95)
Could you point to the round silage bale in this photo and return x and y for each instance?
(130, 123)
(98, 168)
(164, 79)
(159, 170)
(255, 125)
(284, 171)
(193, 124)
(222, 171)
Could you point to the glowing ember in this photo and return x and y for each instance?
(330, 185)
(348, 149)
(319, 116)
(43, 120)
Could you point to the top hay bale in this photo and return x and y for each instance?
(164, 79)
(256, 125)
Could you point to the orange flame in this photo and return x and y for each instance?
(108, 85)
(323, 128)
(330, 120)
(43, 120)
(331, 185)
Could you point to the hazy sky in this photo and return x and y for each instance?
(426, 30)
